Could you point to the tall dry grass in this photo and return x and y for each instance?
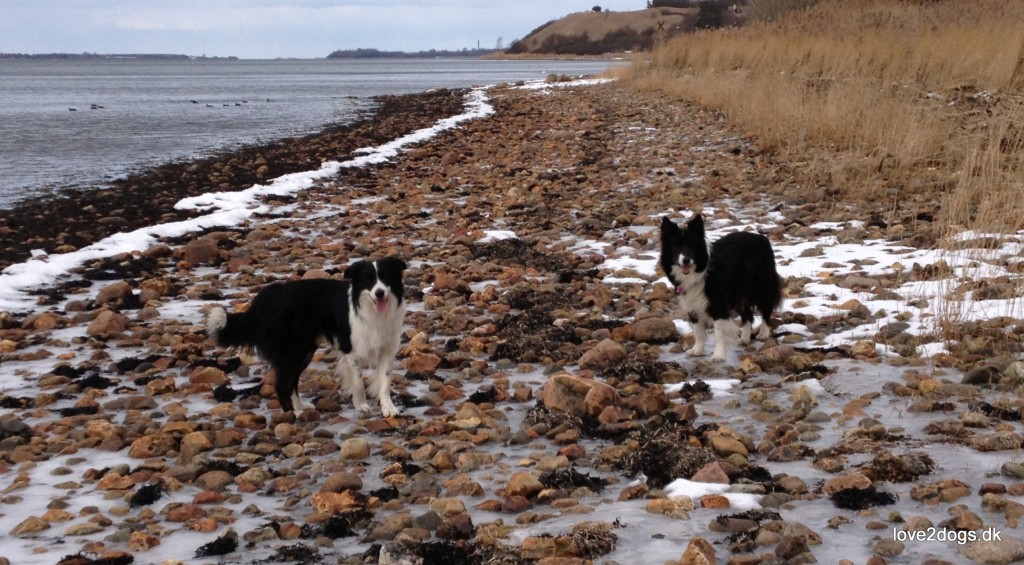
(881, 99)
(902, 106)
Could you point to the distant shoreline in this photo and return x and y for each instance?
(483, 54)
(109, 56)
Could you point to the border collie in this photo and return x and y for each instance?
(734, 275)
(361, 317)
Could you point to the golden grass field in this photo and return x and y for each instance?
(891, 101)
(897, 106)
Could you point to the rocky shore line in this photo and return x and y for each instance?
(76, 218)
(549, 412)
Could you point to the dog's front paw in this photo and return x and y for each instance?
(695, 351)
(363, 407)
(718, 355)
(387, 408)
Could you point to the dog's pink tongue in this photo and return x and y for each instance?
(381, 303)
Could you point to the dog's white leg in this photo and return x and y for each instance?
(380, 386)
(745, 333)
(297, 405)
(722, 335)
(352, 379)
(700, 335)
(765, 331)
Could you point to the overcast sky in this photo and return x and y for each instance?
(256, 29)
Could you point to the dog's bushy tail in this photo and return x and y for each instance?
(229, 330)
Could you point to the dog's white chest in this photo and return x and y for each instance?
(694, 305)
(375, 337)
(693, 302)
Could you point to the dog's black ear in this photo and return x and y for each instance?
(395, 263)
(354, 268)
(696, 224)
(668, 227)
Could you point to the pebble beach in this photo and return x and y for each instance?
(549, 412)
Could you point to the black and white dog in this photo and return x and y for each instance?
(734, 275)
(361, 317)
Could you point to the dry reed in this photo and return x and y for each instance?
(897, 105)
(877, 97)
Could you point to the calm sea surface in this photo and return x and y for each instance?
(84, 123)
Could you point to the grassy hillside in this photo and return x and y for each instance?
(596, 33)
(900, 104)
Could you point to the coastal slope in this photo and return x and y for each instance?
(548, 407)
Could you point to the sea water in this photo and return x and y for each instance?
(83, 123)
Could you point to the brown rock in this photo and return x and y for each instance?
(523, 483)
(648, 402)
(457, 527)
(714, 472)
(185, 512)
(113, 292)
(714, 501)
(334, 502)
(390, 526)
(942, 491)
(582, 397)
(157, 251)
(154, 289)
(250, 421)
(677, 507)
(141, 541)
(655, 330)
(208, 375)
(853, 480)
(614, 415)
(605, 355)
(1006, 550)
(516, 505)
(106, 324)
(193, 444)
(155, 445)
(316, 274)
(200, 251)
(725, 446)
(447, 506)
(102, 429)
(698, 552)
(29, 526)
(44, 322)
(339, 482)
(354, 449)
(214, 480)
(537, 548)
(422, 363)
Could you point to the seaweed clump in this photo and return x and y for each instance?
(448, 552)
(648, 371)
(594, 539)
(223, 545)
(887, 467)
(664, 454)
(81, 558)
(340, 525)
(146, 495)
(532, 335)
(570, 478)
(860, 498)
